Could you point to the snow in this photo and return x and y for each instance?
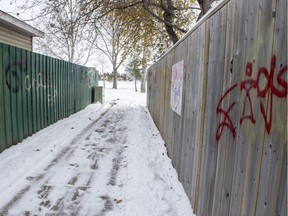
(104, 160)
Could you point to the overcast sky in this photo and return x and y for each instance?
(10, 7)
(6, 6)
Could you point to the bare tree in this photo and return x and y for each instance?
(64, 26)
(114, 41)
(102, 61)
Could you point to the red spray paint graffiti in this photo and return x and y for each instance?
(227, 122)
(267, 92)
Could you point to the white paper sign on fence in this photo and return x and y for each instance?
(177, 86)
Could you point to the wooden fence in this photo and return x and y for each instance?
(227, 79)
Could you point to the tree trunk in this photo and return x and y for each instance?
(168, 17)
(144, 70)
(114, 77)
(135, 80)
(205, 5)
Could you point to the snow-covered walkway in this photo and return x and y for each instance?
(105, 160)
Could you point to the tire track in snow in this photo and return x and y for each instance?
(110, 141)
(66, 150)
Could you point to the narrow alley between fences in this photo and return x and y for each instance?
(104, 160)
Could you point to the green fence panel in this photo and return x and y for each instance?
(45, 86)
(23, 98)
(53, 94)
(36, 91)
(33, 94)
(28, 86)
(12, 80)
(7, 98)
(49, 91)
(65, 86)
(56, 90)
(40, 88)
(19, 94)
(2, 104)
(61, 96)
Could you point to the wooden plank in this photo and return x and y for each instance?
(188, 130)
(281, 203)
(180, 55)
(197, 161)
(169, 119)
(225, 155)
(275, 145)
(210, 148)
(226, 142)
(243, 46)
(182, 153)
(157, 96)
(167, 114)
(280, 47)
(162, 98)
(256, 140)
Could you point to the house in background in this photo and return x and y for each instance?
(16, 32)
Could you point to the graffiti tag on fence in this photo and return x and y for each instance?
(16, 73)
(265, 92)
(12, 77)
(88, 77)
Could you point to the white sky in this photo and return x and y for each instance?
(8, 7)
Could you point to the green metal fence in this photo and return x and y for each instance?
(36, 91)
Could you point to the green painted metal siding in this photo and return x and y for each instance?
(36, 91)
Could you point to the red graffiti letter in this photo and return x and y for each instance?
(248, 85)
(227, 122)
(274, 91)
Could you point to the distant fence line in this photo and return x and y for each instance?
(219, 99)
(36, 91)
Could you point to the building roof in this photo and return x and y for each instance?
(17, 25)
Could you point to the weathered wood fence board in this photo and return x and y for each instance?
(229, 144)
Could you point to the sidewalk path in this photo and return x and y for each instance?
(105, 160)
